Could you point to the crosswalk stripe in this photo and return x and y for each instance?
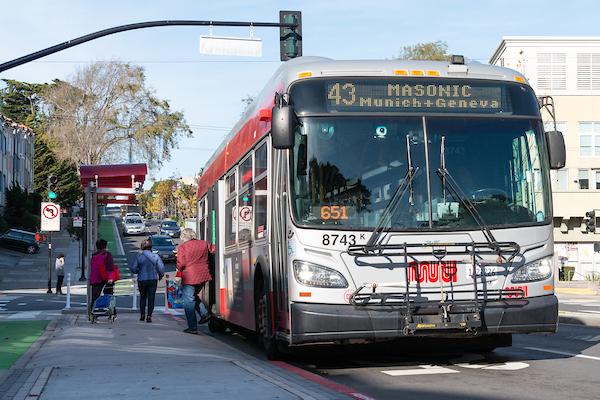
(422, 370)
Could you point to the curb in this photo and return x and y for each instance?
(576, 291)
(28, 355)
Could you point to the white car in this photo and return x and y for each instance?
(134, 225)
(132, 214)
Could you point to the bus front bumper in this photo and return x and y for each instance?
(329, 322)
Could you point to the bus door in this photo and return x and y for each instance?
(211, 227)
(279, 221)
(236, 297)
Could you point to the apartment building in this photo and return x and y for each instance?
(16, 157)
(568, 69)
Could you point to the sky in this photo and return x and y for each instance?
(209, 89)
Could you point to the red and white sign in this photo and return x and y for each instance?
(77, 222)
(50, 216)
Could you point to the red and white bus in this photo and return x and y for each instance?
(374, 200)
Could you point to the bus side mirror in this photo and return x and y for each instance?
(556, 149)
(282, 127)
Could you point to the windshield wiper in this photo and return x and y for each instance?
(458, 193)
(405, 185)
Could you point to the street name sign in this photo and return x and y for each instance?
(50, 215)
(230, 46)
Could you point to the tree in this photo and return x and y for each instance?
(21, 102)
(437, 51)
(106, 114)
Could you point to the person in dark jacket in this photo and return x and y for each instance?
(101, 267)
(192, 265)
(149, 269)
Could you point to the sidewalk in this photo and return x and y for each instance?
(578, 308)
(134, 360)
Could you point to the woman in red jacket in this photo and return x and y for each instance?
(192, 265)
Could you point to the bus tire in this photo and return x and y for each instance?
(216, 325)
(265, 336)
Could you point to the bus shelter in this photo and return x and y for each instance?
(105, 184)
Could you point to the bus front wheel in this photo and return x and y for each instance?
(264, 321)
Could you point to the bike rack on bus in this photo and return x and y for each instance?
(420, 315)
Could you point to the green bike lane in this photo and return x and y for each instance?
(108, 231)
(16, 338)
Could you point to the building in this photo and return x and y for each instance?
(568, 69)
(16, 157)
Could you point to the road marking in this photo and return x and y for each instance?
(589, 311)
(586, 338)
(564, 353)
(422, 370)
(22, 304)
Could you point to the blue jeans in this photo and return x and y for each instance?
(192, 303)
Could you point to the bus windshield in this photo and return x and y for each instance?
(347, 168)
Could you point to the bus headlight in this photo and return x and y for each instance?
(535, 271)
(318, 276)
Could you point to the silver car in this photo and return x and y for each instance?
(134, 226)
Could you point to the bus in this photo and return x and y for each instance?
(377, 200)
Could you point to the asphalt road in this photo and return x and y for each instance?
(559, 366)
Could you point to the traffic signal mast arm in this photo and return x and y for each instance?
(140, 25)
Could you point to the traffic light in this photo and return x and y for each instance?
(590, 223)
(290, 39)
(52, 181)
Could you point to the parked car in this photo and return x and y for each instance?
(20, 240)
(134, 226)
(170, 228)
(164, 247)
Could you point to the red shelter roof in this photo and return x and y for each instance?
(116, 183)
(113, 176)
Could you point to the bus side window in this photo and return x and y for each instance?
(231, 211)
(260, 208)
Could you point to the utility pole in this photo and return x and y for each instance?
(49, 291)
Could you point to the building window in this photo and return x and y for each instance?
(560, 181)
(552, 71)
(589, 139)
(597, 173)
(560, 126)
(588, 71)
(584, 179)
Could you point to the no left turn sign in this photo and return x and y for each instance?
(50, 211)
(50, 216)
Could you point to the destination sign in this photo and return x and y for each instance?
(414, 96)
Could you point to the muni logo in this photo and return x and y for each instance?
(431, 272)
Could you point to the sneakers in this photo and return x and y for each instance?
(148, 319)
(192, 331)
